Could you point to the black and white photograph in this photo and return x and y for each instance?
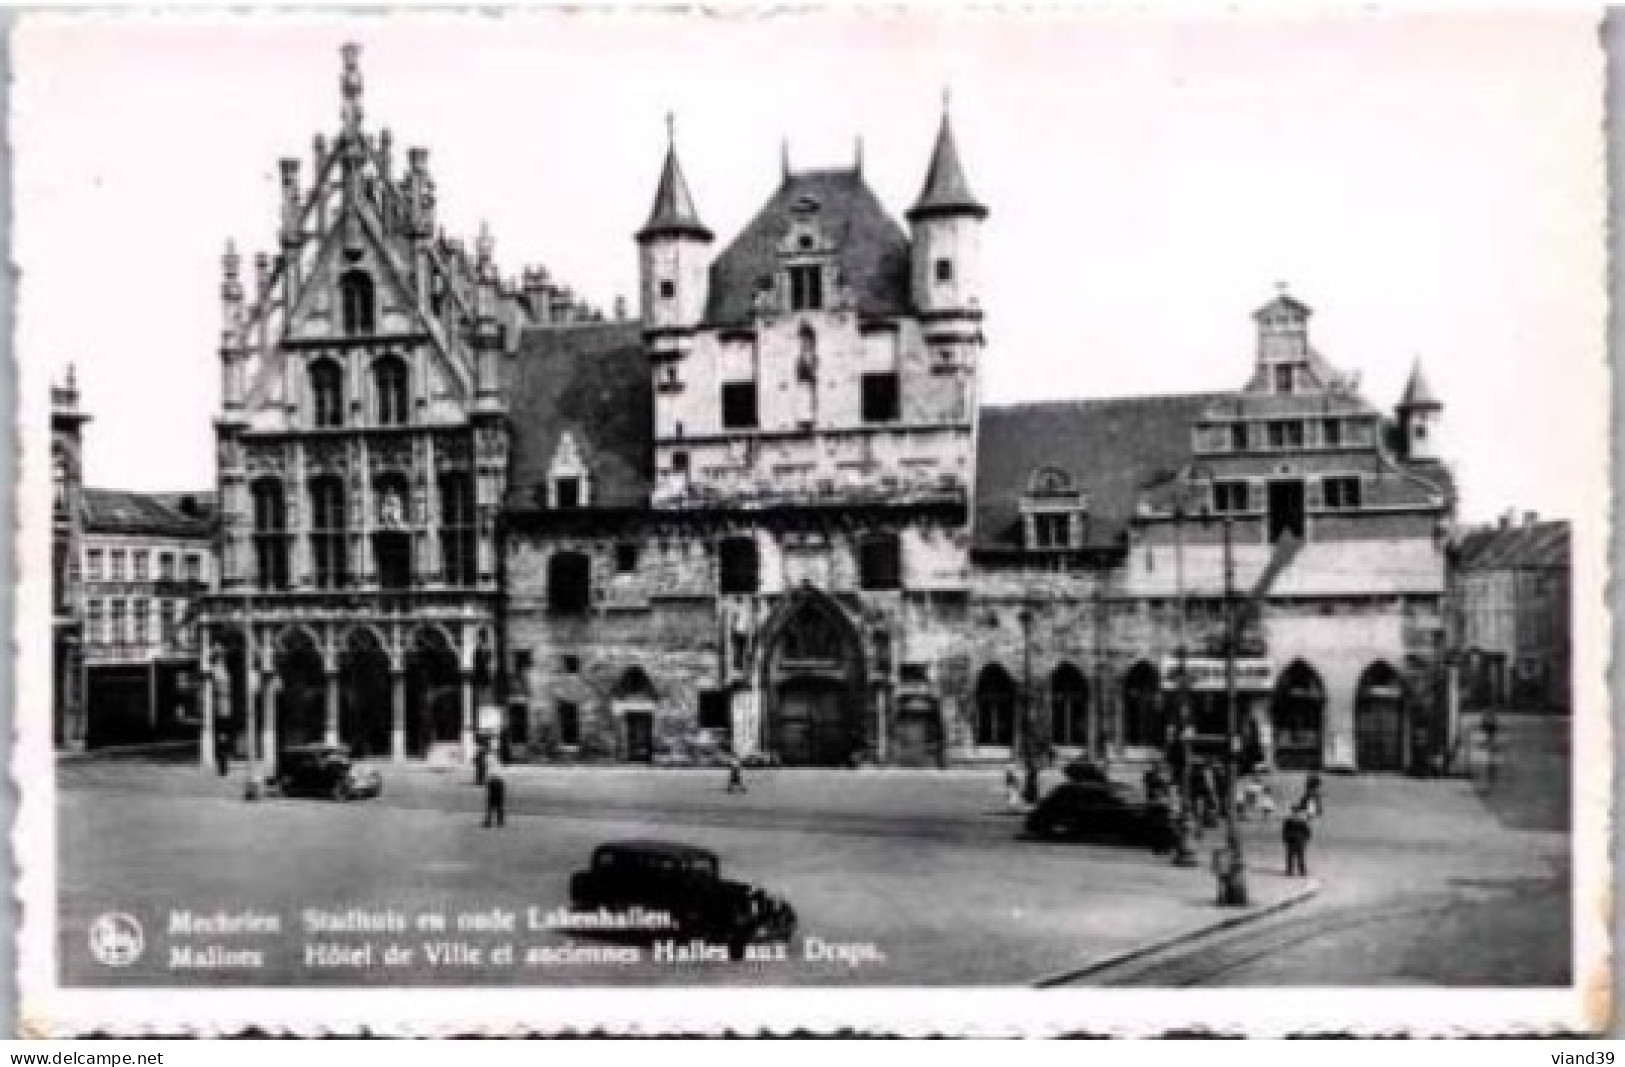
(897, 518)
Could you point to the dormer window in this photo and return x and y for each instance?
(668, 289)
(567, 485)
(1053, 511)
(806, 287)
(945, 270)
(1283, 380)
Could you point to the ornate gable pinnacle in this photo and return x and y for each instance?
(350, 87)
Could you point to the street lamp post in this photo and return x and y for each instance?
(1230, 864)
(1184, 851)
(1029, 726)
(251, 786)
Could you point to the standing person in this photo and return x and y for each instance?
(1295, 834)
(1491, 725)
(1012, 788)
(736, 774)
(222, 752)
(496, 796)
(482, 757)
(1312, 802)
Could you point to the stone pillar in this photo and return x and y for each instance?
(268, 699)
(397, 715)
(330, 727)
(466, 730)
(205, 737)
(251, 708)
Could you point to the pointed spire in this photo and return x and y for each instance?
(945, 191)
(673, 212)
(784, 160)
(350, 87)
(1418, 394)
(857, 155)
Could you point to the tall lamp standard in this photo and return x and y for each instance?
(1229, 863)
(1029, 725)
(1184, 851)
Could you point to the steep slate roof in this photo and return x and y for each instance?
(119, 511)
(593, 381)
(1113, 448)
(945, 191)
(1418, 394)
(673, 210)
(1536, 544)
(872, 256)
(1285, 302)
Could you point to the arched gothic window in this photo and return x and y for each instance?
(995, 707)
(357, 302)
(389, 380)
(1069, 707)
(327, 393)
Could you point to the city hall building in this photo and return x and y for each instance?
(772, 515)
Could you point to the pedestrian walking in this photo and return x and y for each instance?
(736, 774)
(1204, 795)
(1295, 834)
(482, 759)
(496, 796)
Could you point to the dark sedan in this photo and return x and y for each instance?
(1097, 810)
(685, 883)
(324, 771)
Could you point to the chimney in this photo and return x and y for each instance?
(1530, 518)
(1504, 521)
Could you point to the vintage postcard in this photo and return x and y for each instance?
(1004, 521)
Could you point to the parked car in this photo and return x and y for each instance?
(1098, 810)
(685, 882)
(324, 771)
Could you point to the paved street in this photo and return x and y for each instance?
(920, 874)
(1425, 883)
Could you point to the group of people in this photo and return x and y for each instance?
(1196, 791)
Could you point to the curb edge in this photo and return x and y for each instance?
(1105, 963)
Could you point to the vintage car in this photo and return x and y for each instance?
(324, 771)
(1099, 810)
(685, 883)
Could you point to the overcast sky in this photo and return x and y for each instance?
(1431, 184)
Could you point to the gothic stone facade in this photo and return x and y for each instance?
(772, 515)
(362, 461)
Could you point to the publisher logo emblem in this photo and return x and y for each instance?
(115, 939)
